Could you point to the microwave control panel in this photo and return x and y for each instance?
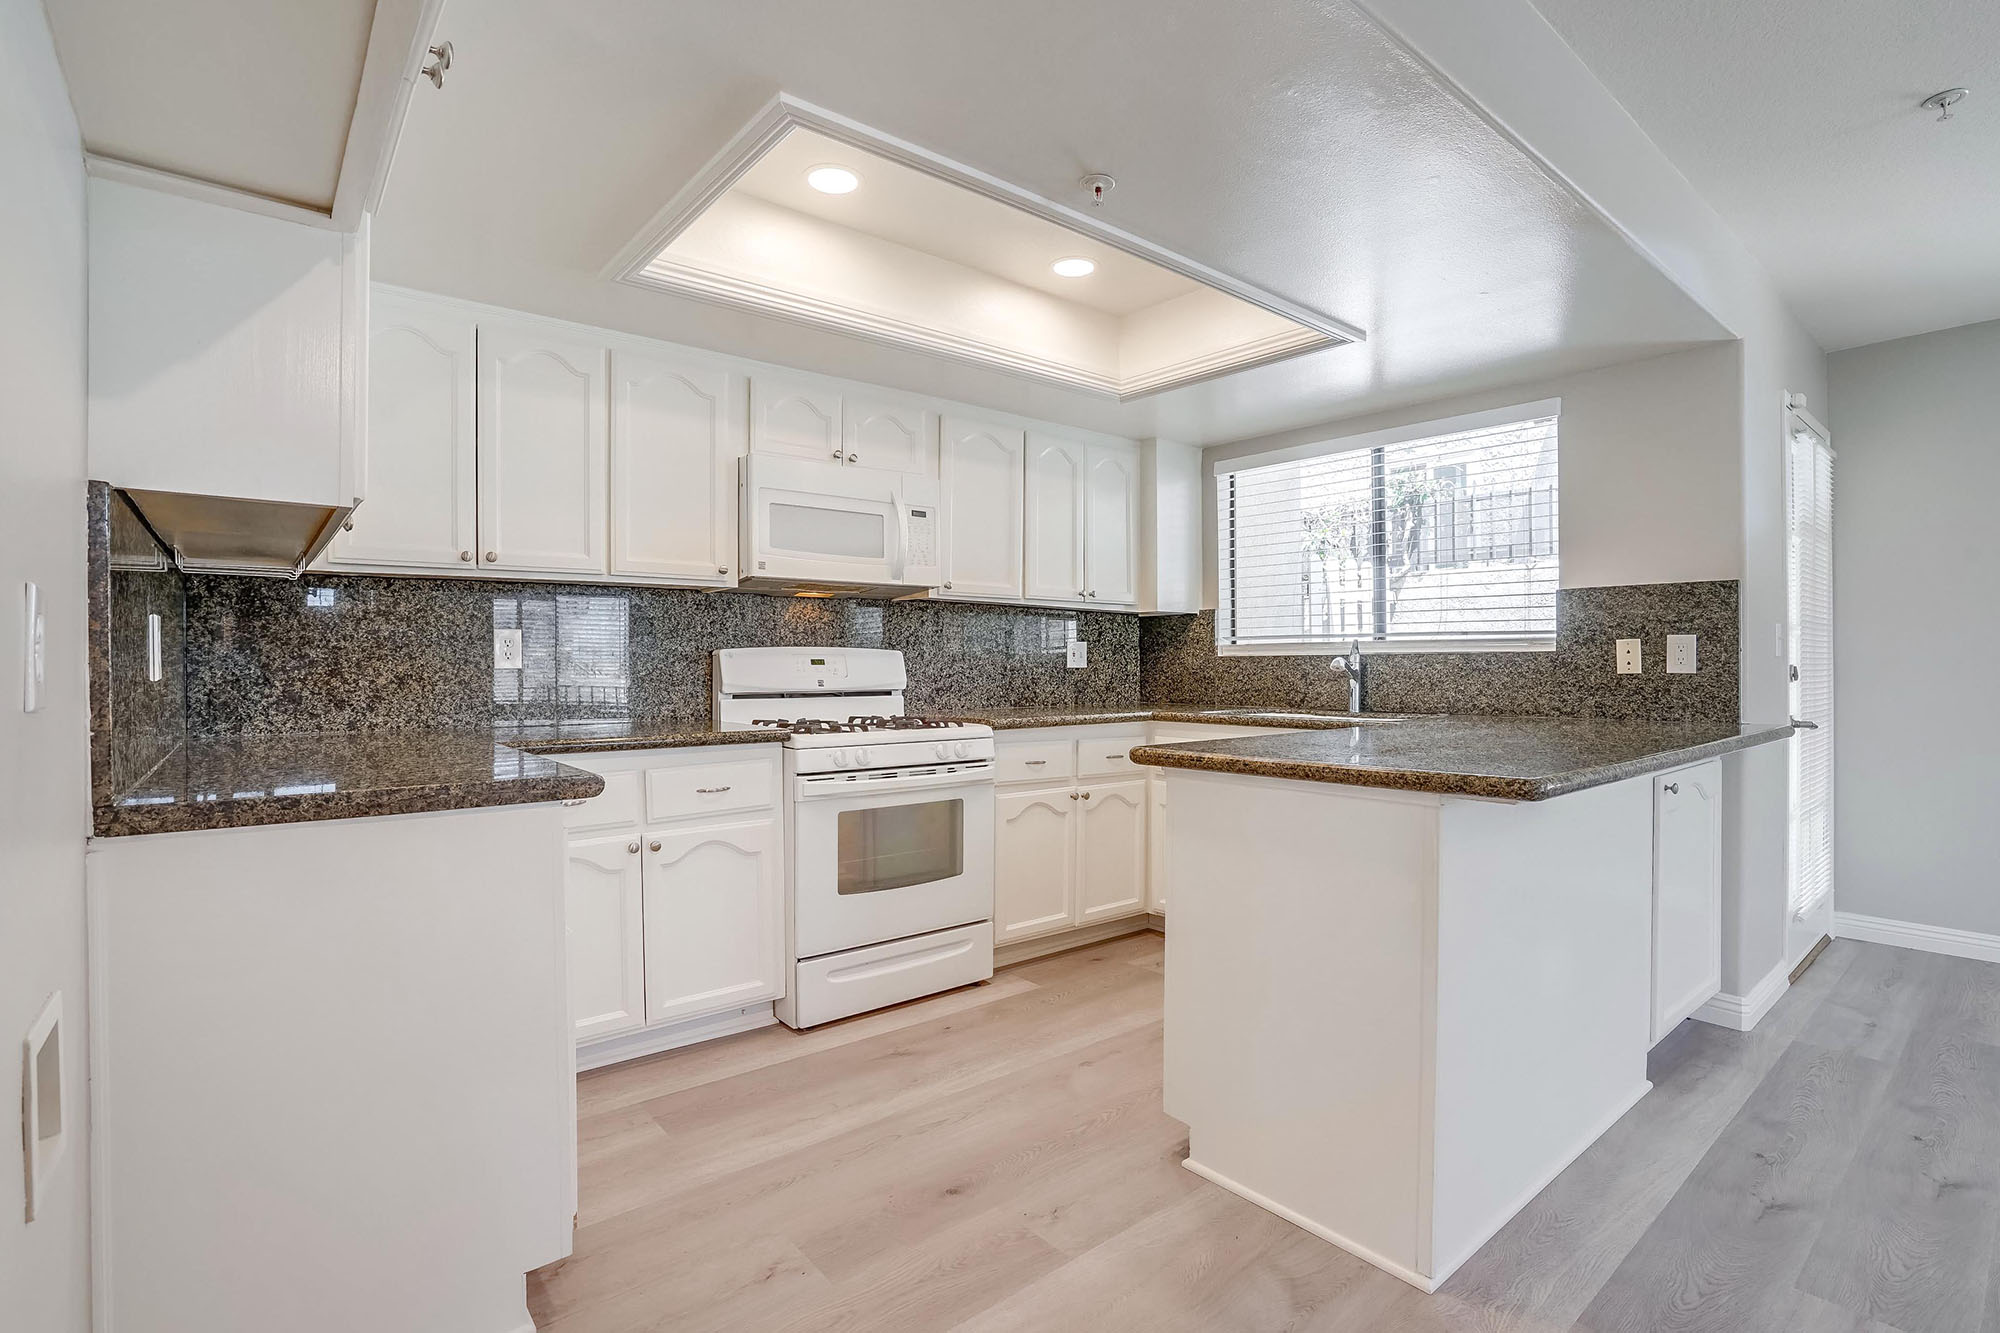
(923, 536)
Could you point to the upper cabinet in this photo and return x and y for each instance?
(1055, 523)
(895, 435)
(985, 513)
(797, 417)
(544, 445)
(1111, 525)
(677, 431)
(417, 460)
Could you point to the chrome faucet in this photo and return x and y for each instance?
(1351, 663)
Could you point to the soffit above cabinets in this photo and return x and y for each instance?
(923, 253)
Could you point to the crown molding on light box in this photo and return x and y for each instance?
(785, 113)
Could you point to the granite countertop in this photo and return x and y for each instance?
(1508, 758)
(1022, 719)
(649, 733)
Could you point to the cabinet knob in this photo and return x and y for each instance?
(1086, 796)
(854, 458)
(654, 844)
(466, 556)
(836, 455)
(632, 847)
(722, 569)
(947, 585)
(347, 526)
(1673, 788)
(491, 556)
(1072, 796)
(1081, 593)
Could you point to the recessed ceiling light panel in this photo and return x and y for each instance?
(832, 180)
(1073, 267)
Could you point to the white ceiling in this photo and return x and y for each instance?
(918, 210)
(1798, 120)
(256, 96)
(1290, 145)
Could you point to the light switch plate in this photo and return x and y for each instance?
(1680, 654)
(34, 648)
(1079, 652)
(1629, 658)
(507, 649)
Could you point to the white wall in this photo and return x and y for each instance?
(1916, 432)
(1648, 460)
(44, 797)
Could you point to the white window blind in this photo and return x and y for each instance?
(1809, 562)
(1449, 539)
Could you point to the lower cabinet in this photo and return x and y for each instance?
(1072, 854)
(1687, 892)
(715, 919)
(1156, 844)
(1034, 867)
(607, 978)
(1111, 851)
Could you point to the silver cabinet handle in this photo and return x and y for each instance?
(632, 847)
(491, 556)
(1035, 763)
(1672, 787)
(854, 458)
(654, 844)
(347, 526)
(722, 569)
(836, 455)
(1093, 592)
(709, 791)
(466, 556)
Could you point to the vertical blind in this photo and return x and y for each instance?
(1809, 565)
(1450, 538)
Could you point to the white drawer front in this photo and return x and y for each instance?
(708, 789)
(862, 979)
(617, 807)
(1109, 756)
(1034, 761)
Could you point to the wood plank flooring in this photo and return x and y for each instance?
(996, 1159)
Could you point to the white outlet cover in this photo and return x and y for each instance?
(1680, 654)
(507, 649)
(34, 649)
(1079, 652)
(1631, 659)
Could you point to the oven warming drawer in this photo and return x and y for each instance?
(854, 981)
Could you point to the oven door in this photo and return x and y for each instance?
(877, 857)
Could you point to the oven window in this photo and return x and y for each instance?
(895, 846)
(818, 530)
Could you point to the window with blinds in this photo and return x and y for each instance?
(1809, 565)
(1442, 536)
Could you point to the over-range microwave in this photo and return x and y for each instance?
(824, 529)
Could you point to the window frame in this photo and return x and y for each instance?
(1225, 572)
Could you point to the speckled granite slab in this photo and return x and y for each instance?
(1508, 758)
(1023, 719)
(243, 781)
(657, 733)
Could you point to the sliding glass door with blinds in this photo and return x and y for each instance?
(1439, 536)
(1809, 579)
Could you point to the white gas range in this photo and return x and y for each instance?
(890, 834)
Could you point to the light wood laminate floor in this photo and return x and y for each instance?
(996, 1159)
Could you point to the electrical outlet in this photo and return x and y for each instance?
(1079, 652)
(34, 649)
(1630, 662)
(1680, 654)
(507, 649)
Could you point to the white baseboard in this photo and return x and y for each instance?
(668, 1036)
(1331, 1237)
(1916, 935)
(1744, 1012)
(1075, 938)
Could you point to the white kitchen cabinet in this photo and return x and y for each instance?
(797, 417)
(1156, 844)
(715, 918)
(1111, 526)
(604, 922)
(1057, 500)
(418, 460)
(677, 431)
(985, 475)
(1111, 851)
(894, 434)
(544, 445)
(1687, 892)
(1034, 864)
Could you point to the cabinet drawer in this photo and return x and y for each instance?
(1109, 756)
(616, 807)
(707, 789)
(1034, 761)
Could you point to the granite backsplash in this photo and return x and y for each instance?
(1578, 678)
(135, 720)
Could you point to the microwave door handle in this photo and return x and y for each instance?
(902, 536)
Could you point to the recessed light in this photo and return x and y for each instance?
(832, 180)
(1073, 267)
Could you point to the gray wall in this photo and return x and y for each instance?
(44, 797)
(1916, 430)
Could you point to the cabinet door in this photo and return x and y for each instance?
(794, 417)
(1111, 526)
(1687, 893)
(544, 442)
(1111, 851)
(984, 478)
(607, 985)
(1156, 845)
(715, 919)
(417, 456)
(1054, 528)
(676, 433)
(889, 433)
(1034, 867)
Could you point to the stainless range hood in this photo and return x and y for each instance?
(210, 534)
